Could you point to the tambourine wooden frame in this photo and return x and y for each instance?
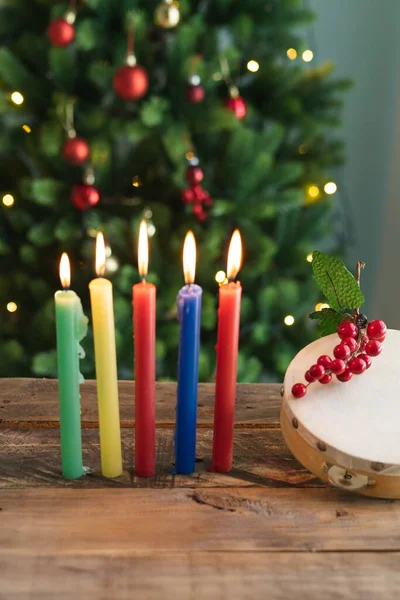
(331, 464)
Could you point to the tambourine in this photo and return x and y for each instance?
(348, 434)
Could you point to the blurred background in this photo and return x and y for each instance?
(361, 37)
(278, 117)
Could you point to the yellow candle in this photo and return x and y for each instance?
(101, 299)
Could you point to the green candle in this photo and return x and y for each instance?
(71, 325)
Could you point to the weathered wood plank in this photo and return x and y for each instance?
(124, 522)
(31, 458)
(35, 401)
(202, 576)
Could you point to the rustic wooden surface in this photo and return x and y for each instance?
(267, 530)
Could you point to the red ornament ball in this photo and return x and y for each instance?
(194, 175)
(299, 390)
(367, 359)
(198, 194)
(60, 32)
(351, 343)
(84, 196)
(345, 376)
(373, 348)
(325, 361)
(338, 366)
(327, 378)
(376, 330)
(75, 150)
(187, 196)
(341, 351)
(347, 329)
(238, 106)
(194, 94)
(131, 83)
(357, 365)
(317, 371)
(199, 212)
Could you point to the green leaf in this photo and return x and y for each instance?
(153, 111)
(41, 235)
(45, 363)
(46, 191)
(28, 254)
(66, 229)
(87, 35)
(336, 282)
(51, 137)
(328, 320)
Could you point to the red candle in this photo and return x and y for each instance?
(144, 333)
(227, 354)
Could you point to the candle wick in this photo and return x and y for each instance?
(143, 279)
(65, 288)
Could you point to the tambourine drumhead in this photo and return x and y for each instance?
(360, 418)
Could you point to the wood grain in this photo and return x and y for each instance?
(35, 401)
(31, 458)
(268, 529)
(201, 576)
(123, 521)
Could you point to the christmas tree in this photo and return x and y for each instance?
(199, 115)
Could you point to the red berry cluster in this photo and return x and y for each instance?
(351, 357)
(195, 194)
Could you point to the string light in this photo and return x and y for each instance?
(253, 66)
(321, 306)
(309, 257)
(289, 320)
(307, 55)
(303, 149)
(26, 128)
(108, 251)
(189, 155)
(112, 264)
(220, 277)
(8, 200)
(151, 230)
(291, 53)
(17, 98)
(330, 187)
(11, 307)
(147, 213)
(136, 181)
(313, 191)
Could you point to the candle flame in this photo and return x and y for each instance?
(234, 255)
(189, 258)
(143, 249)
(100, 255)
(65, 271)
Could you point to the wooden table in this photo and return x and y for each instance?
(267, 530)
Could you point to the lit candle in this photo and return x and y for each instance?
(101, 300)
(71, 325)
(144, 334)
(189, 312)
(227, 354)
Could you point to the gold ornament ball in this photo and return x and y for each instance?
(167, 15)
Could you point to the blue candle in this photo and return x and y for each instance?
(189, 311)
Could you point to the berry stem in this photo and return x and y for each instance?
(359, 267)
